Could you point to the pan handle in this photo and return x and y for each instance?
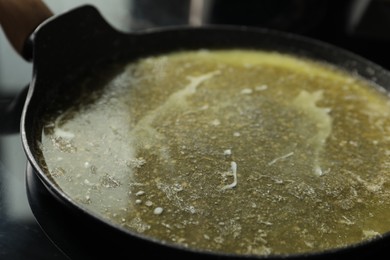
(19, 18)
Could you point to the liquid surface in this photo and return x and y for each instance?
(236, 151)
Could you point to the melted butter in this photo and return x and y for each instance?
(244, 152)
(306, 102)
(173, 102)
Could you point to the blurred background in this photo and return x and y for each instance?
(361, 26)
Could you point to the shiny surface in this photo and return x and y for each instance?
(291, 126)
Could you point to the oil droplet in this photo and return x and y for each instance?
(158, 211)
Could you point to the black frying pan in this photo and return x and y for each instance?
(63, 50)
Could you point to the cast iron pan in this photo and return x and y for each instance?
(66, 46)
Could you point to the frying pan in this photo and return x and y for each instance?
(64, 47)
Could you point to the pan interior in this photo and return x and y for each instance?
(233, 151)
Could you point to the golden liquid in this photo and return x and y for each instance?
(234, 151)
